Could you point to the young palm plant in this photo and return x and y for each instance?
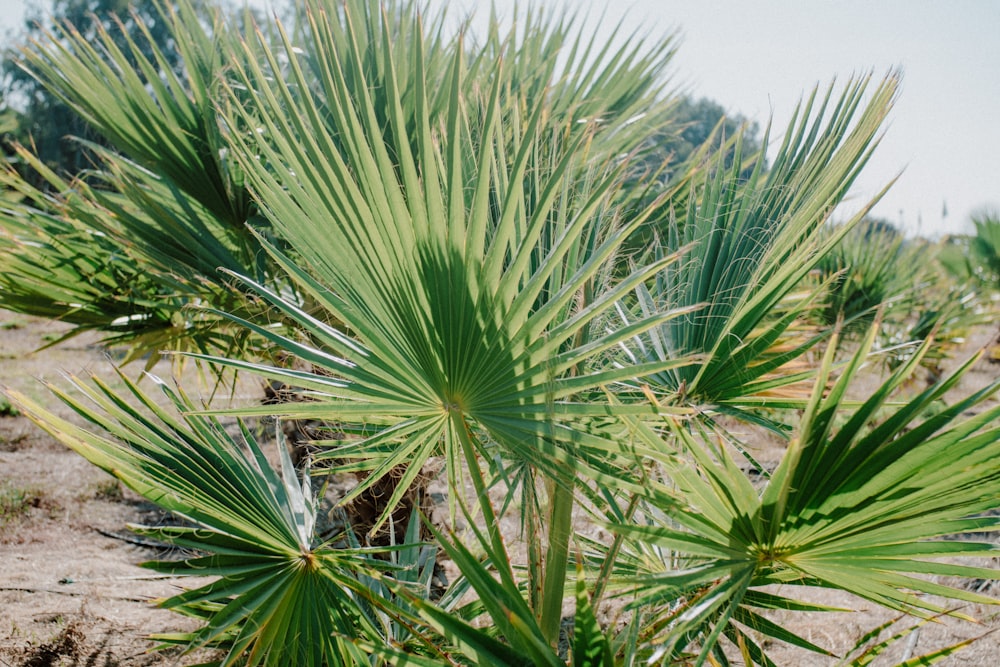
(874, 268)
(871, 511)
(464, 241)
(752, 241)
(985, 247)
(450, 232)
(252, 528)
(466, 256)
(870, 268)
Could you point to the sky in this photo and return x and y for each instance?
(759, 57)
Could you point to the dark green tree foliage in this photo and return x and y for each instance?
(10, 122)
(704, 119)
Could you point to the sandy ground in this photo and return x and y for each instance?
(72, 591)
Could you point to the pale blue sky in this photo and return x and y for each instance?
(757, 57)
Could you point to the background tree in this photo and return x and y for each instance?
(704, 119)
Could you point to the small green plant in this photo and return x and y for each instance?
(16, 502)
(975, 258)
(985, 246)
(7, 409)
(128, 251)
(109, 490)
(751, 241)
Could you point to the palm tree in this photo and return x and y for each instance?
(443, 236)
(467, 255)
(985, 246)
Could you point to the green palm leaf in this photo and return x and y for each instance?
(462, 234)
(985, 248)
(132, 95)
(163, 211)
(752, 240)
(860, 510)
(124, 260)
(279, 596)
(441, 298)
